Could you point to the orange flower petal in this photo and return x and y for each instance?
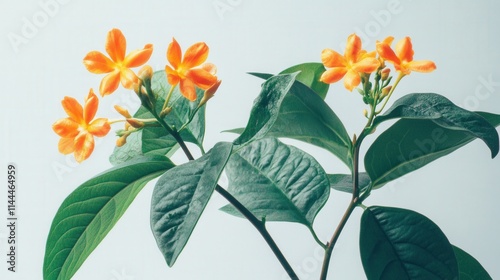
(367, 65)
(388, 40)
(404, 49)
(91, 104)
(66, 128)
(424, 66)
(353, 47)
(98, 63)
(331, 58)
(66, 146)
(84, 145)
(116, 45)
(172, 76)
(99, 127)
(138, 57)
(201, 78)
(128, 78)
(110, 83)
(195, 55)
(351, 80)
(73, 109)
(187, 89)
(210, 68)
(174, 53)
(333, 75)
(385, 51)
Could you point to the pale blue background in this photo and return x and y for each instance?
(458, 192)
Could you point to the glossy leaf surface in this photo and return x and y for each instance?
(469, 268)
(402, 244)
(432, 106)
(180, 196)
(90, 212)
(410, 144)
(302, 115)
(277, 182)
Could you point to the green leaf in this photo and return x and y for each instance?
(266, 107)
(309, 74)
(343, 182)
(402, 244)
(156, 141)
(131, 149)
(88, 213)
(468, 267)
(432, 106)
(180, 196)
(277, 182)
(302, 115)
(410, 144)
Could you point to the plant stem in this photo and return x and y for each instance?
(258, 224)
(167, 98)
(350, 208)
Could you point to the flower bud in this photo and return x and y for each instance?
(210, 92)
(146, 73)
(122, 111)
(365, 113)
(135, 123)
(165, 111)
(122, 140)
(386, 90)
(384, 74)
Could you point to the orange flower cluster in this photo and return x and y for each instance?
(357, 61)
(77, 131)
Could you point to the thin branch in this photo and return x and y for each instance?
(258, 224)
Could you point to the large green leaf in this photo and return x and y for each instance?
(468, 267)
(277, 182)
(410, 144)
(89, 213)
(343, 182)
(180, 196)
(432, 106)
(266, 107)
(302, 115)
(402, 244)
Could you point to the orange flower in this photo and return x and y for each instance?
(77, 131)
(183, 70)
(402, 58)
(354, 61)
(119, 65)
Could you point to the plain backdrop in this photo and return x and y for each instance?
(43, 43)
